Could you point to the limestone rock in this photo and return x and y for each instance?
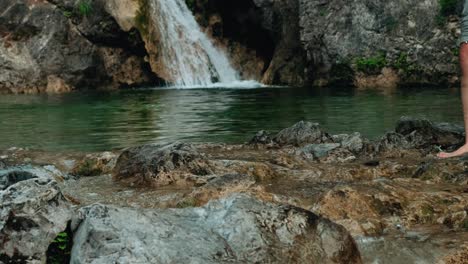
(262, 138)
(320, 150)
(302, 133)
(354, 142)
(48, 46)
(32, 212)
(95, 164)
(338, 34)
(160, 164)
(218, 187)
(234, 229)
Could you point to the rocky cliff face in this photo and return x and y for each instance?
(380, 42)
(58, 46)
(63, 45)
(360, 42)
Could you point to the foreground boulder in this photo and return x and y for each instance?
(160, 164)
(32, 212)
(237, 229)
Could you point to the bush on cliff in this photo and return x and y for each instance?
(84, 7)
(448, 7)
(371, 65)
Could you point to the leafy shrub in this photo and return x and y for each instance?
(59, 250)
(371, 65)
(84, 7)
(402, 63)
(68, 14)
(447, 8)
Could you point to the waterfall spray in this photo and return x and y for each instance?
(188, 55)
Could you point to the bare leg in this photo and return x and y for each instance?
(464, 96)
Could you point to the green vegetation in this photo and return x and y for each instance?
(323, 11)
(68, 14)
(390, 23)
(142, 17)
(464, 224)
(447, 8)
(59, 250)
(371, 65)
(190, 4)
(404, 65)
(188, 202)
(84, 7)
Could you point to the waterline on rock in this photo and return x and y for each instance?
(219, 85)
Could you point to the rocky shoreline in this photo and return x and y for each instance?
(300, 195)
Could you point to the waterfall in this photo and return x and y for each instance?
(189, 57)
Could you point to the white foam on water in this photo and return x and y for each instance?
(220, 85)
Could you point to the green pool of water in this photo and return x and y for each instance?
(95, 121)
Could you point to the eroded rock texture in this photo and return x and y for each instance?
(234, 229)
(50, 46)
(160, 165)
(32, 212)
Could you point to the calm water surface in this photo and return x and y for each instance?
(112, 120)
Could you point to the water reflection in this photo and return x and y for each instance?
(110, 120)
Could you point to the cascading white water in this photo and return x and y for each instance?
(188, 55)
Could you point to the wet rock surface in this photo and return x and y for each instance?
(302, 133)
(161, 164)
(234, 229)
(391, 194)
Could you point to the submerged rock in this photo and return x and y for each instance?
(235, 229)
(161, 164)
(32, 212)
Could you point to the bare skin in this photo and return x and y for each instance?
(464, 95)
